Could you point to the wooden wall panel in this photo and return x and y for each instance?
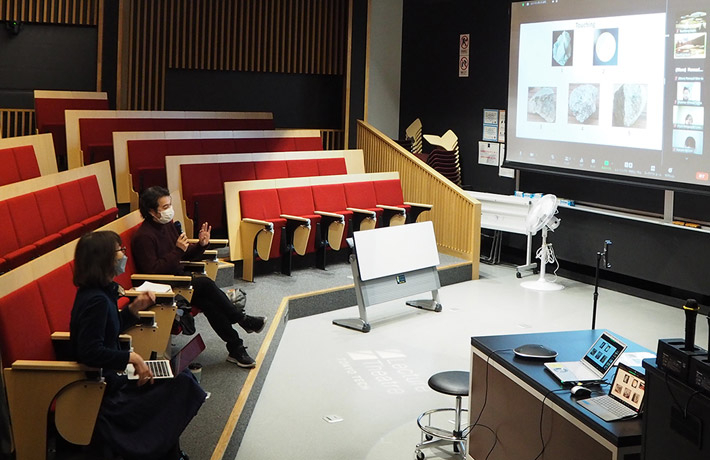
(74, 12)
(289, 36)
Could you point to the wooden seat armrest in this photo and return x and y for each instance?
(419, 205)
(158, 295)
(209, 255)
(32, 365)
(215, 243)
(61, 336)
(331, 214)
(167, 279)
(143, 314)
(249, 220)
(193, 266)
(362, 211)
(391, 208)
(125, 338)
(303, 220)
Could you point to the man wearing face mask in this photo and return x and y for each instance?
(158, 249)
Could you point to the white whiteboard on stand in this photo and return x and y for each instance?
(394, 250)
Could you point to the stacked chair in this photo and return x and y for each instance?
(445, 157)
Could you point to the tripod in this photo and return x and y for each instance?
(602, 255)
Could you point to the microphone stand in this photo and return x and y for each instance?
(605, 256)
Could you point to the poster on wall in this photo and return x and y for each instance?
(490, 125)
(488, 153)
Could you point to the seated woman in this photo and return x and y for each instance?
(138, 419)
(158, 248)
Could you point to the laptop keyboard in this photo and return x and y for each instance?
(160, 368)
(615, 407)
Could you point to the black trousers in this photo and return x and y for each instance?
(219, 310)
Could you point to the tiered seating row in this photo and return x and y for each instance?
(26, 157)
(266, 216)
(43, 213)
(90, 132)
(201, 179)
(49, 113)
(140, 157)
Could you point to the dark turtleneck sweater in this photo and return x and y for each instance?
(154, 250)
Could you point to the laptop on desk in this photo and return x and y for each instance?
(593, 366)
(164, 369)
(624, 399)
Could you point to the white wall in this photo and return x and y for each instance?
(385, 65)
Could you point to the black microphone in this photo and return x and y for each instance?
(607, 243)
(691, 313)
(178, 226)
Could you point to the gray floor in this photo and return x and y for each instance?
(376, 382)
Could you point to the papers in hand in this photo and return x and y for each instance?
(147, 286)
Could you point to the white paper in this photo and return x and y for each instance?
(634, 359)
(504, 172)
(488, 153)
(490, 117)
(147, 286)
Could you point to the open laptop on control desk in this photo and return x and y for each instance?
(593, 366)
(624, 399)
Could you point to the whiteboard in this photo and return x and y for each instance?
(395, 250)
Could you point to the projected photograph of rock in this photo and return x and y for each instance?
(690, 46)
(629, 105)
(583, 104)
(542, 104)
(562, 47)
(606, 46)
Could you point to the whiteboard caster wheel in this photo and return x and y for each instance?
(418, 454)
(518, 275)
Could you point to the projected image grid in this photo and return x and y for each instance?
(610, 89)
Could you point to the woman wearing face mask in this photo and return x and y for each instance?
(158, 248)
(137, 419)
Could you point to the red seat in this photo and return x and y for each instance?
(9, 172)
(26, 162)
(58, 291)
(54, 217)
(98, 214)
(29, 228)
(73, 202)
(302, 168)
(264, 205)
(332, 166)
(203, 193)
(271, 169)
(331, 198)
(10, 251)
(298, 201)
(25, 331)
(362, 195)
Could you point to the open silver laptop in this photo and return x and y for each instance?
(164, 369)
(624, 399)
(593, 366)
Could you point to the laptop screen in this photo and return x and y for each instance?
(628, 387)
(602, 355)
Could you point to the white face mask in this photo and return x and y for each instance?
(166, 215)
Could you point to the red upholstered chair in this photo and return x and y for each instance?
(329, 227)
(73, 202)
(261, 225)
(332, 166)
(308, 143)
(54, 217)
(279, 144)
(302, 168)
(146, 163)
(217, 146)
(203, 193)
(11, 252)
(58, 291)
(362, 195)
(389, 192)
(34, 379)
(271, 169)
(331, 198)
(9, 172)
(98, 214)
(29, 228)
(26, 162)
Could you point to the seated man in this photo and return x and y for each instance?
(158, 249)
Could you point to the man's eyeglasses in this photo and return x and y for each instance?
(122, 249)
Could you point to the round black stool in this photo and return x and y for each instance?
(454, 383)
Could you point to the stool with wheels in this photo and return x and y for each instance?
(454, 383)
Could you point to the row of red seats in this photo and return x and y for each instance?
(18, 164)
(202, 185)
(146, 157)
(380, 202)
(97, 133)
(37, 222)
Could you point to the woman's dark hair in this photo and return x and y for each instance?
(149, 200)
(95, 259)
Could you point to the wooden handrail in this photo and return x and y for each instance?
(456, 217)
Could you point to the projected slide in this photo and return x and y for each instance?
(594, 81)
(611, 89)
